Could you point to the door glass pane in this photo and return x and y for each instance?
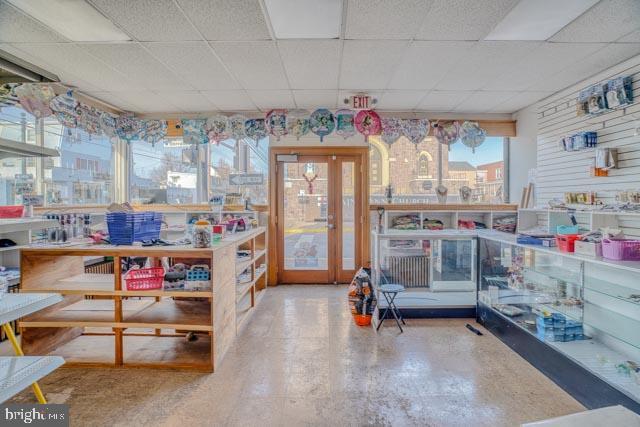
(348, 216)
(305, 216)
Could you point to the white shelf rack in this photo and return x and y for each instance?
(588, 219)
(449, 218)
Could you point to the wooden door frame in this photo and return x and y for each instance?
(362, 153)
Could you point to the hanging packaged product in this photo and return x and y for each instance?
(7, 96)
(217, 128)
(446, 132)
(345, 123)
(236, 127)
(89, 119)
(65, 109)
(193, 131)
(108, 124)
(596, 103)
(128, 127)
(416, 130)
(472, 135)
(154, 131)
(619, 92)
(298, 123)
(276, 123)
(368, 123)
(35, 98)
(255, 129)
(322, 122)
(391, 131)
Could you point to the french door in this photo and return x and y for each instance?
(319, 219)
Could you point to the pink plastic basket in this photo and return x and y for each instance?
(623, 249)
(144, 279)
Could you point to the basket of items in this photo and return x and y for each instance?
(144, 279)
(198, 278)
(621, 249)
(128, 227)
(589, 244)
(566, 242)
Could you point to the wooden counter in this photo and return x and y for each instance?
(101, 323)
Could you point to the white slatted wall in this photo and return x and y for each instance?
(559, 171)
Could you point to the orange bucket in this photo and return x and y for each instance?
(362, 319)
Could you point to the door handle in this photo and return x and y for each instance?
(331, 226)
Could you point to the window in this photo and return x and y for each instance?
(412, 170)
(18, 176)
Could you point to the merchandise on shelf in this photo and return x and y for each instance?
(406, 222)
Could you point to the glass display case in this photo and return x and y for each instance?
(589, 311)
(437, 268)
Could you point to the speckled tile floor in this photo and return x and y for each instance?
(302, 361)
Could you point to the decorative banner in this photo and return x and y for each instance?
(416, 130)
(193, 131)
(255, 129)
(236, 127)
(391, 130)
(89, 119)
(472, 135)
(108, 124)
(368, 123)
(345, 123)
(298, 123)
(65, 108)
(217, 128)
(7, 97)
(322, 122)
(35, 98)
(154, 131)
(128, 127)
(446, 132)
(276, 122)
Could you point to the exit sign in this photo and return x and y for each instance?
(360, 102)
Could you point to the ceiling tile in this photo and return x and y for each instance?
(370, 63)
(111, 98)
(230, 100)
(194, 63)
(599, 61)
(157, 20)
(227, 20)
(147, 102)
(482, 63)
(188, 101)
(269, 99)
(133, 61)
(519, 101)
(463, 19)
(16, 26)
(426, 63)
(312, 99)
(542, 62)
(72, 58)
(633, 37)
(311, 64)
(443, 100)
(400, 100)
(257, 65)
(389, 19)
(484, 101)
(606, 21)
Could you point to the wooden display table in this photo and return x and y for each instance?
(101, 323)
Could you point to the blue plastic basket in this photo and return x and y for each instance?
(128, 227)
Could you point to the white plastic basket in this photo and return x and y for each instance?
(588, 248)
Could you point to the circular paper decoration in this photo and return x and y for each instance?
(298, 123)
(7, 97)
(345, 123)
(322, 122)
(472, 135)
(236, 127)
(89, 119)
(390, 130)
(108, 124)
(193, 131)
(446, 133)
(128, 127)
(255, 129)
(368, 123)
(154, 130)
(416, 130)
(35, 98)
(276, 122)
(65, 109)
(217, 128)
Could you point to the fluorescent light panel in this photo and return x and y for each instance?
(74, 19)
(538, 19)
(305, 19)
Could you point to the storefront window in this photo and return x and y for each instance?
(18, 176)
(482, 171)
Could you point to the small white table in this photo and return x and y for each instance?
(17, 373)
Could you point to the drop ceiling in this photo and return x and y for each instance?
(191, 56)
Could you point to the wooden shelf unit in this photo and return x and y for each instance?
(246, 292)
(100, 323)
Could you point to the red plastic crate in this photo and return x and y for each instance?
(11, 211)
(567, 242)
(144, 279)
